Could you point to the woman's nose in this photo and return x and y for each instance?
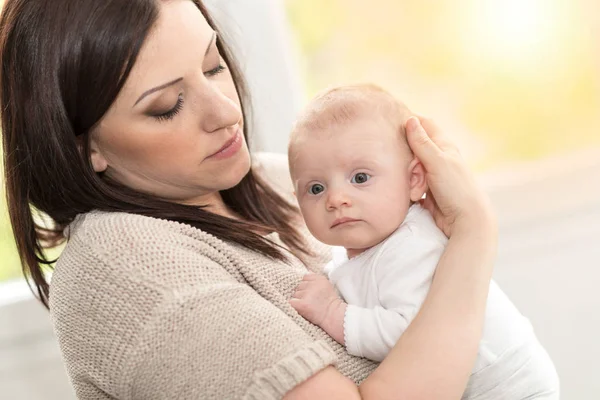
(219, 111)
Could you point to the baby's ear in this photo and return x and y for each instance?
(417, 181)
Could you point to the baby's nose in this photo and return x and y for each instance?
(337, 199)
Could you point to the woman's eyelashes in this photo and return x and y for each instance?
(169, 115)
(215, 71)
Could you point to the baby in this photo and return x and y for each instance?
(358, 186)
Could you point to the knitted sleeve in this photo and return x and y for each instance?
(210, 335)
(142, 312)
(223, 341)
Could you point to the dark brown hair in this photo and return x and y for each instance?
(63, 62)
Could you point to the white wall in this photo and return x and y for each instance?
(549, 259)
(30, 362)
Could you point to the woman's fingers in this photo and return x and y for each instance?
(433, 131)
(454, 197)
(421, 144)
(430, 205)
(428, 202)
(436, 134)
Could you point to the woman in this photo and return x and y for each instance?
(123, 121)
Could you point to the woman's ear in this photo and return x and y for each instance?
(98, 161)
(417, 181)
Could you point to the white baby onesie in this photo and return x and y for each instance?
(385, 287)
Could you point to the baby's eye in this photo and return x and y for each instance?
(361, 177)
(317, 188)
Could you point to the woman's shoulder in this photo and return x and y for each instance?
(122, 229)
(121, 233)
(126, 247)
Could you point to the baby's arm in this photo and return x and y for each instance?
(403, 273)
(317, 300)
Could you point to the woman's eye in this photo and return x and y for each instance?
(315, 189)
(215, 71)
(172, 112)
(361, 177)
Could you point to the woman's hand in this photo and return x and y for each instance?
(454, 198)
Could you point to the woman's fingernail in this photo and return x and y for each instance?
(412, 124)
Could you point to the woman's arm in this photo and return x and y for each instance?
(435, 355)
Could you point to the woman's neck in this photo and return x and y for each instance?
(214, 203)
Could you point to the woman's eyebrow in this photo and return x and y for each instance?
(155, 89)
(212, 40)
(165, 85)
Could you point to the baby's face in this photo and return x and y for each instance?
(352, 182)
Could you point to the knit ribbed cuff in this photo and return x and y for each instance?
(275, 382)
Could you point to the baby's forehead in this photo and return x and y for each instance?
(361, 111)
(354, 144)
(360, 138)
(363, 127)
(351, 105)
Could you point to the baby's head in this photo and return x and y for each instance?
(353, 171)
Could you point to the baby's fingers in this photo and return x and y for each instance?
(310, 276)
(299, 305)
(303, 285)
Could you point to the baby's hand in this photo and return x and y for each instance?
(316, 300)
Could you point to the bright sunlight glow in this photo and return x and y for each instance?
(516, 29)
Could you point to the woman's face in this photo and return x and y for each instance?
(175, 129)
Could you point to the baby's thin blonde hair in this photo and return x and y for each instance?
(344, 104)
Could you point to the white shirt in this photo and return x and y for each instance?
(386, 285)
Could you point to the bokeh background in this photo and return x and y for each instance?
(516, 83)
(512, 80)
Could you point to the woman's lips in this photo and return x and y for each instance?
(230, 147)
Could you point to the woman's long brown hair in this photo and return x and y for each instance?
(63, 62)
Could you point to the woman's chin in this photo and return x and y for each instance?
(238, 169)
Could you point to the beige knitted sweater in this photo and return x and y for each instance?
(151, 309)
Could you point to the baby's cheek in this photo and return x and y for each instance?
(313, 222)
(392, 212)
